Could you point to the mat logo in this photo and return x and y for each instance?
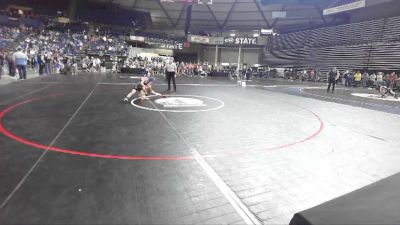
(180, 102)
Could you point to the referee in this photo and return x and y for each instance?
(171, 71)
(332, 77)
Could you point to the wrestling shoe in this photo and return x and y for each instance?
(126, 100)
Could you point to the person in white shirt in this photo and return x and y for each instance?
(171, 72)
(379, 78)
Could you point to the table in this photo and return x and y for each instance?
(132, 70)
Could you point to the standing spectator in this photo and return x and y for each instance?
(379, 78)
(74, 66)
(304, 75)
(249, 73)
(385, 79)
(372, 79)
(47, 63)
(10, 64)
(85, 64)
(58, 65)
(351, 79)
(348, 79)
(21, 60)
(98, 64)
(357, 79)
(171, 70)
(344, 78)
(332, 76)
(391, 80)
(364, 79)
(313, 75)
(41, 62)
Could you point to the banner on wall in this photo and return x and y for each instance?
(240, 41)
(136, 38)
(176, 46)
(63, 20)
(165, 44)
(343, 8)
(216, 40)
(198, 39)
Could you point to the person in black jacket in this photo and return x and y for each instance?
(332, 76)
(11, 64)
(40, 62)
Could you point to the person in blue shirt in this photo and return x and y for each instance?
(21, 60)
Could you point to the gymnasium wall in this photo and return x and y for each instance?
(230, 54)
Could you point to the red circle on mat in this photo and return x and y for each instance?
(17, 138)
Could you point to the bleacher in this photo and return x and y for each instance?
(385, 56)
(392, 29)
(369, 45)
(362, 32)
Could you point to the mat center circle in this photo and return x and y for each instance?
(179, 103)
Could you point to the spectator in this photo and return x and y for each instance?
(344, 78)
(372, 79)
(248, 74)
(379, 78)
(41, 62)
(364, 79)
(21, 60)
(47, 63)
(391, 80)
(349, 79)
(357, 78)
(10, 64)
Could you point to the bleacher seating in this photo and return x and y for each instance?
(385, 56)
(392, 29)
(369, 45)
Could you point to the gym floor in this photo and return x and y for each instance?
(72, 153)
